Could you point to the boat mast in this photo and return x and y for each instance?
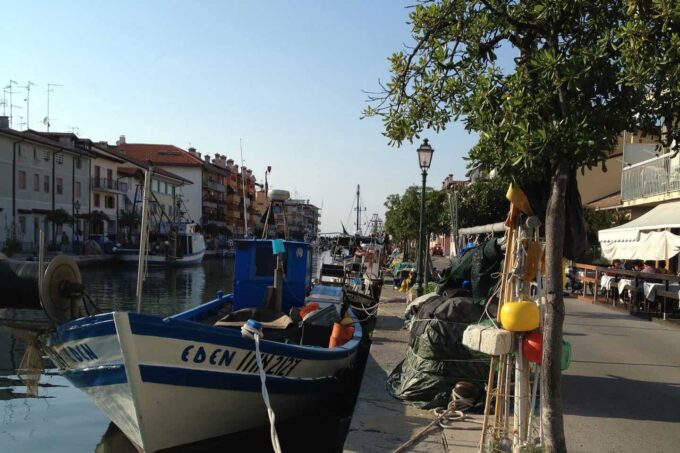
(243, 181)
(143, 236)
(358, 231)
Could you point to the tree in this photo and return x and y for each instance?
(58, 217)
(482, 202)
(402, 218)
(558, 109)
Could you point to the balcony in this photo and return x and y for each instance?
(649, 178)
(212, 185)
(109, 185)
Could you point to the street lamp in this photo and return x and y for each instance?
(76, 208)
(424, 159)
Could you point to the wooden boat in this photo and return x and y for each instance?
(171, 381)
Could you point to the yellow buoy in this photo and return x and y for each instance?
(520, 316)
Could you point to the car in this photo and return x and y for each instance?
(437, 250)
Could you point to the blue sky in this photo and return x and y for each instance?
(285, 77)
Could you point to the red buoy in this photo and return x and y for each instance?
(532, 347)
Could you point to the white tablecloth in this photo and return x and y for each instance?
(650, 289)
(607, 281)
(623, 282)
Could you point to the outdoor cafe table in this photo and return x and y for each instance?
(607, 281)
(649, 289)
(623, 283)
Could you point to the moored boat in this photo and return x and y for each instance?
(192, 376)
(179, 244)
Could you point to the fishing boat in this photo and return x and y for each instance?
(193, 376)
(173, 244)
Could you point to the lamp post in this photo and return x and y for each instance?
(76, 208)
(424, 159)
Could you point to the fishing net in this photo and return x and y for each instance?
(436, 359)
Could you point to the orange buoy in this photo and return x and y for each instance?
(532, 347)
(340, 335)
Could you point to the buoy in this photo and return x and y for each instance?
(340, 335)
(520, 316)
(532, 347)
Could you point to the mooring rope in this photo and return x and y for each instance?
(253, 329)
(445, 418)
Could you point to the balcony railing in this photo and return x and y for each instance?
(214, 186)
(652, 177)
(110, 185)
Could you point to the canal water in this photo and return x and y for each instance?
(61, 419)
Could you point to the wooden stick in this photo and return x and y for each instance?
(487, 404)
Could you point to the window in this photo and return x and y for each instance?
(109, 202)
(46, 183)
(79, 164)
(36, 182)
(22, 225)
(154, 185)
(22, 179)
(19, 151)
(77, 189)
(96, 200)
(46, 155)
(59, 158)
(35, 153)
(164, 187)
(60, 186)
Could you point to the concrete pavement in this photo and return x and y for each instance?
(621, 393)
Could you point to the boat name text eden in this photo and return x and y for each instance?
(276, 365)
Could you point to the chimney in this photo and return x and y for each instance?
(230, 162)
(207, 158)
(4, 122)
(121, 140)
(192, 151)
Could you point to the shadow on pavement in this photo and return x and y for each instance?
(617, 397)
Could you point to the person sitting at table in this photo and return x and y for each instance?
(616, 264)
(649, 267)
(662, 268)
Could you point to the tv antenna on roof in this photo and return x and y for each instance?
(28, 86)
(8, 88)
(46, 120)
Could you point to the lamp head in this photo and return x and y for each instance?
(425, 155)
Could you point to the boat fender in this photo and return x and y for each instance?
(340, 335)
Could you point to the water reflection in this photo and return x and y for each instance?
(62, 419)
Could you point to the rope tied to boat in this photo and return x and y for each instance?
(253, 330)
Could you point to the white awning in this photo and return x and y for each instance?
(638, 239)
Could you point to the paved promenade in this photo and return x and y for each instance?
(621, 393)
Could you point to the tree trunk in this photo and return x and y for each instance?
(551, 386)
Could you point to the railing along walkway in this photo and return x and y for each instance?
(644, 289)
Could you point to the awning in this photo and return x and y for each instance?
(638, 239)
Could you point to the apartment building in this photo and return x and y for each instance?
(40, 176)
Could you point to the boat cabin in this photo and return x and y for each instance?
(254, 272)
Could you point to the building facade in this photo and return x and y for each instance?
(40, 177)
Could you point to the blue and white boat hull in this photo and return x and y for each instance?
(170, 381)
